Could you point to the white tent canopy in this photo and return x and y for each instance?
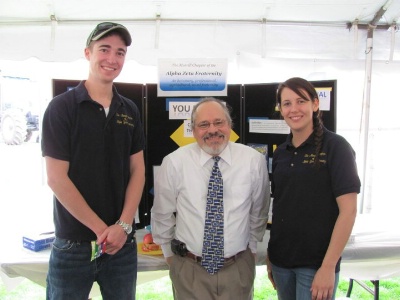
(55, 30)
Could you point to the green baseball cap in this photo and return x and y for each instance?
(103, 28)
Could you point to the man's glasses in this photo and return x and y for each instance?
(206, 124)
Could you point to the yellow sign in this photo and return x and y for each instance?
(181, 140)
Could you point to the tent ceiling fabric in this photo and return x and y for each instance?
(56, 30)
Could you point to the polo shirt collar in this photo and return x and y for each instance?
(308, 141)
(82, 93)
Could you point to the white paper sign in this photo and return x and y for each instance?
(192, 77)
(324, 95)
(187, 128)
(268, 126)
(180, 110)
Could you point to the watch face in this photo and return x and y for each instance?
(128, 229)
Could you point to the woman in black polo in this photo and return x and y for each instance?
(315, 186)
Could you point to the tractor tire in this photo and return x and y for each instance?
(13, 127)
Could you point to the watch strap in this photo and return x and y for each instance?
(125, 226)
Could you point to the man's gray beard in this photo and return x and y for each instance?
(214, 151)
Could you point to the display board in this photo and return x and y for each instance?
(165, 129)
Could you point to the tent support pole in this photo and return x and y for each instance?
(366, 201)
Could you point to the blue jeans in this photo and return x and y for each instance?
(295, 284)
(72, 274)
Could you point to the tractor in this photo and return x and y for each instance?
(17, 119)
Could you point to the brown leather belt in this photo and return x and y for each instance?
(226, 260)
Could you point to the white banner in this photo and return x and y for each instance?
(192, 77)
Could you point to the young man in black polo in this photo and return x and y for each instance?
(93, 146)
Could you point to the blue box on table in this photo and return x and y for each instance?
(38, 242)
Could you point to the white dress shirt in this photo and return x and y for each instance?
(181, 186)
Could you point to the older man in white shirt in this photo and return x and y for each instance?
(179, 210)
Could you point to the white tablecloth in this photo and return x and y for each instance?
(372, 253)
(373, 250)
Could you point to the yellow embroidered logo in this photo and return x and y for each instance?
(310, 158)
(124, 119)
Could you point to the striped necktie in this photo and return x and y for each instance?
(213, 244)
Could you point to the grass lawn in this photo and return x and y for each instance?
(389, 289)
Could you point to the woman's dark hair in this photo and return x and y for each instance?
(306, 91)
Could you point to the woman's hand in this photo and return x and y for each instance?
(269, 271)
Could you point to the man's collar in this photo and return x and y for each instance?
(225, 155)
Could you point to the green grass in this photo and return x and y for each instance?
(26, 290)
(389, 289)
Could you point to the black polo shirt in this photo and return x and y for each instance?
(97, 147)
(304, 206)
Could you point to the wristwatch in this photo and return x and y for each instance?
(125, 226)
